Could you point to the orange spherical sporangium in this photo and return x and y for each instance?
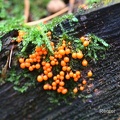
(39, 78)
(64, 91)
(85, 43)
(89, 74)
(61, 52)
(21, 60)
(85, 62)
(75, 90)
(74, 55)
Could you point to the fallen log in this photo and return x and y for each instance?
(104, 100)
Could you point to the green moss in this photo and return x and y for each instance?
(21, 80)
(14, 8)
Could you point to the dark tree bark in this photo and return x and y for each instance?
(105, 101)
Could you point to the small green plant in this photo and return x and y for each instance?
(50, 25)
(36, 37)
(11, 24)
(92, 1)
(21, 81)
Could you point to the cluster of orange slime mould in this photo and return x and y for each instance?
(55, 69)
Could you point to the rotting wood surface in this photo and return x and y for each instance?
(105, 101)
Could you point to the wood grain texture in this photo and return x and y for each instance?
(34, 105)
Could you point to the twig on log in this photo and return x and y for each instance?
(26, 10)
(49, 17)
(11, 52)
(71, 4)
(4, 69)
